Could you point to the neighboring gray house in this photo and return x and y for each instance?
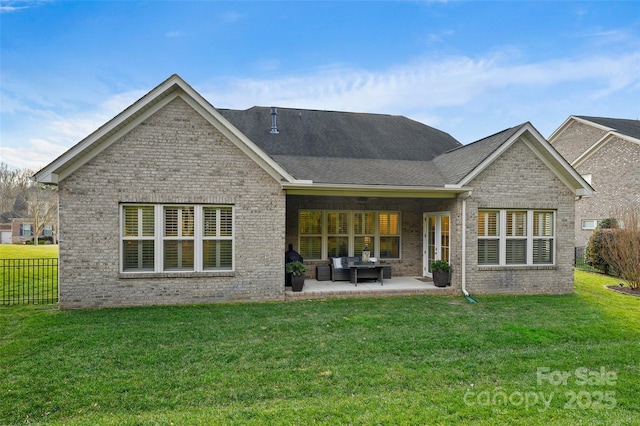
(606, 152)
(174, 201)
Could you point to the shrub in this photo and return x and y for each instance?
(620, 248)
(594, 251)
(295, 268)
(440, 266)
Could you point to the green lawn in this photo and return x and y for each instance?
(418, 360)
(30, 281)
(16, 251)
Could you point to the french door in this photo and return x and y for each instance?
(436, 239)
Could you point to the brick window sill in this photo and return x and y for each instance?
(517, 267)
(155, 275)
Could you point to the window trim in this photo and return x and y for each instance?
(529, 236)
(159, 239)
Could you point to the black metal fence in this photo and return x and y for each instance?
(28, 281)
(580, 262)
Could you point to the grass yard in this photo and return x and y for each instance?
(19, 251)
(33, 280)
(517, 360)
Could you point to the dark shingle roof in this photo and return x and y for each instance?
(313, 133)
(362, 171)
(458, 163)
(369, 149)
(621, 125)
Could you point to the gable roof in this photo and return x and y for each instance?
(329, 152)
(345, 148)
(619, 125)
(462, 165)
(458, 163)
(621, 128)
(161, 95)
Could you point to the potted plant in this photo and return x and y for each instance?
(296, 270)
(441, 271)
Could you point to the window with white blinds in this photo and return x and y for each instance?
(186, 238)
(516, 237)
(328, 233)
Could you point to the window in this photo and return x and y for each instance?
(488, 237)
(515, 237)
(589, 224)
(310, 224)
(543, 237)
(389, 226)
(138, 248)
(48, 231)
(516, 245)
(337, 234)
(184, 238)
(324, 234)
(25, 229)
(363, 232)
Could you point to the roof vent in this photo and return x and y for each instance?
(274, 116)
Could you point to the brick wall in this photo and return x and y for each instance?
(575, 139)
(615, 172)
(175, 156)
(519, 179)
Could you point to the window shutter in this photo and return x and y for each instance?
(170, 222)
(148, 225)
(543, 251)
(542, 224)
(516, 252)
(488, 252)
(516, 223)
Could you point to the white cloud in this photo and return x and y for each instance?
(19, 5)
(35, 155)
(467, 97)
(430, 83)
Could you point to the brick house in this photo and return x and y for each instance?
(174, 201)
(606, 152)
(22, 230)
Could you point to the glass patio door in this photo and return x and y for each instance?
(436, 236)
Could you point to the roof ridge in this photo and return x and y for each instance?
(313, 110)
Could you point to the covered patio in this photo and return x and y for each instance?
(397, 286)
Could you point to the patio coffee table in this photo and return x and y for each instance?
(365, 270)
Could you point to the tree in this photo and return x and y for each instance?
(42, 206)
(13, 183)
(621, 247)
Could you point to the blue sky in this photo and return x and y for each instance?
(470, 68)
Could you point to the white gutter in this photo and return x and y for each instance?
(306, 187)
(464, 242)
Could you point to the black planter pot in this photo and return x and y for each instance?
(297, 282)
(441, 278)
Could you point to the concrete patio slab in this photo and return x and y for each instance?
(397, 286)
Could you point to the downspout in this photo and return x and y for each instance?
(464, 197)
